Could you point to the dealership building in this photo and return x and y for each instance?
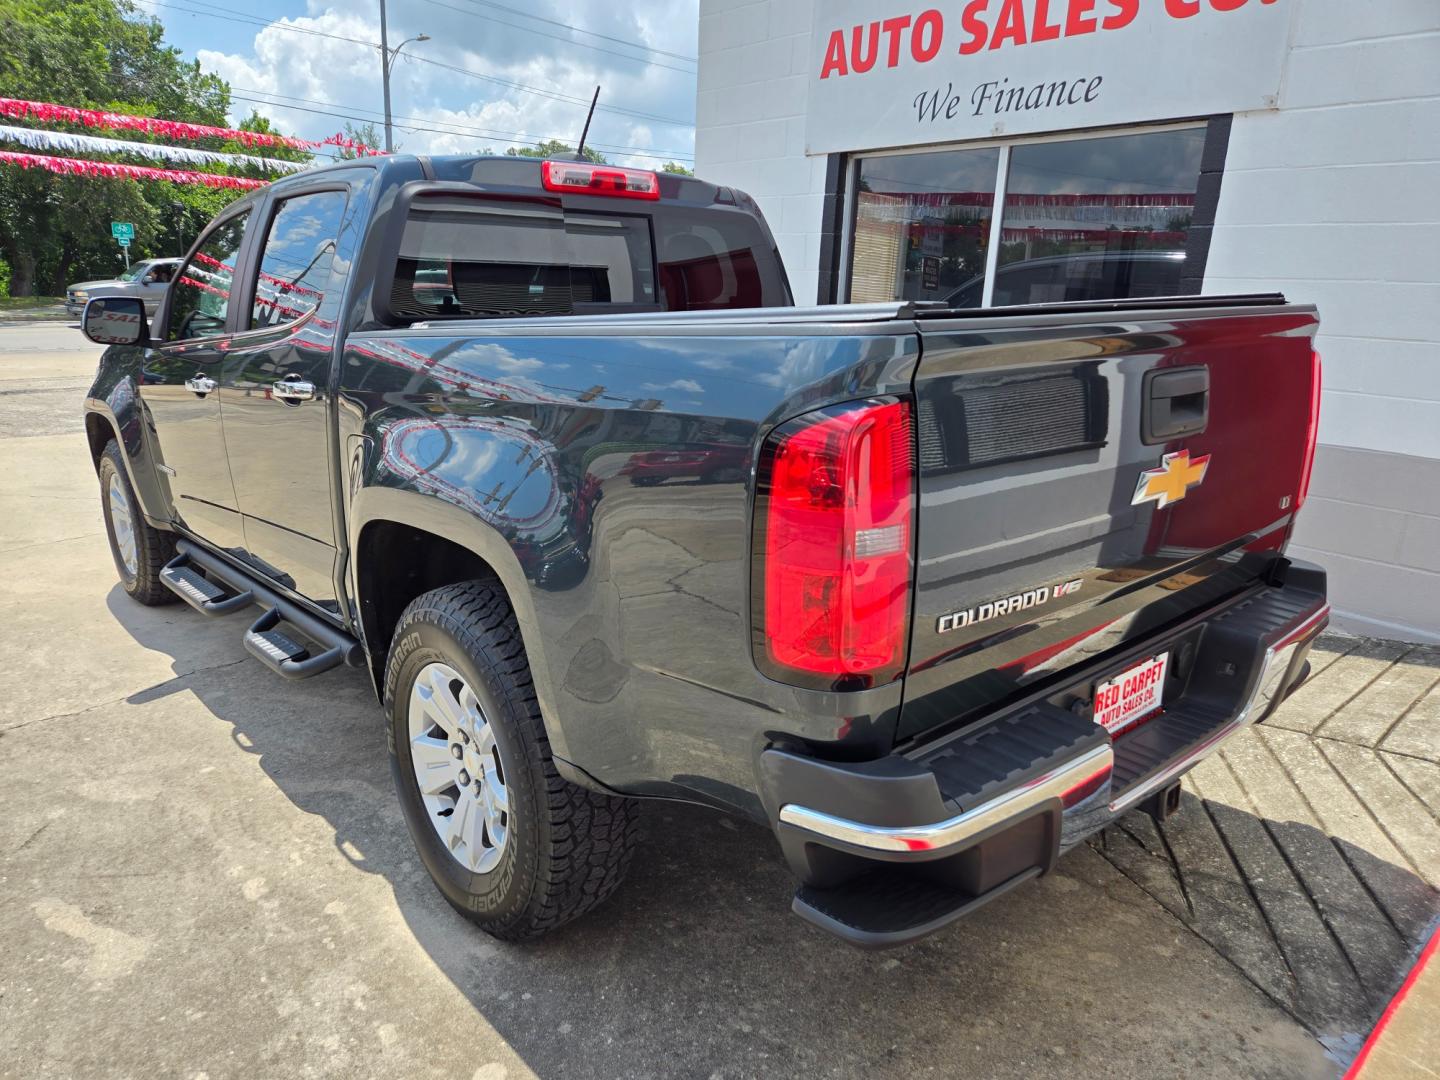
(984, 152)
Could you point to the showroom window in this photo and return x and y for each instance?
(1094, 218)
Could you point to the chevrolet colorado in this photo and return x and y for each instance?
(932, 593)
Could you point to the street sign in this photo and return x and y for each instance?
(123, 231)
(124, 241)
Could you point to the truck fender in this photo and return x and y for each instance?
(119, 416)
(428, 513)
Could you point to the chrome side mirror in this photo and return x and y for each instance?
(115, 320)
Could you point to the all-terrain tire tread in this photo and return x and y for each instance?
(589, 837)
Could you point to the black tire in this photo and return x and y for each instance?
(153, 547)
(568, 847)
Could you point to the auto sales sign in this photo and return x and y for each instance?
(883, 74)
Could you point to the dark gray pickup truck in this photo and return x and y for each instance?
(932, 593)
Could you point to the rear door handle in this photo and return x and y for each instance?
(1175, 403)
(293, 389)
(200, 384)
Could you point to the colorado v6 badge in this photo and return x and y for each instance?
(1172, 481)
(1005, 605)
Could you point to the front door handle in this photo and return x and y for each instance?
(200, 384)
(293, 389)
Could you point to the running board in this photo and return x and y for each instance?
(200, 592)
(284, 655)
(202, 579)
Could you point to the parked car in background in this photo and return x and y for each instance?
(1083, 275)
(147, 280)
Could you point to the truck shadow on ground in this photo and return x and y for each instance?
(696, 967)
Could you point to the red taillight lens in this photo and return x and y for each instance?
(579, 178)
(835, 514)
(1313, 433)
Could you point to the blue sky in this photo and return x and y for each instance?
(286, 60)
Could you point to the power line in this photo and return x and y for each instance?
(557, 37)
(540, 91)
(472, 132)
(553, 94)
(582, 30)
(462, 127)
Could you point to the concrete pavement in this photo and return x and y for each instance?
(203, 872)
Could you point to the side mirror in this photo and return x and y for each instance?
(115, 320)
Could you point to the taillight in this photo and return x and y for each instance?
(582, 178)
(834, 538)
(1312, 434)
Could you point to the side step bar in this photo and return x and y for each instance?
(264, 640)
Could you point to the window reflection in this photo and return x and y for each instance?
(922, 224)
(295, 264)
(1083, 219)
(1098, 219)
(200, 300)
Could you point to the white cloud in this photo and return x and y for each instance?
(438, 110)
(679, 384)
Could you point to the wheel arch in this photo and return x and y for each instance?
(404, 543)
(101, 429)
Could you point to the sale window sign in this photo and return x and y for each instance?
(882, 75)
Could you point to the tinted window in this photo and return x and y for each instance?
(472, 258)
(296, 260)
(1098, 219)
(715, 259)
(200, 296)
(922, 225)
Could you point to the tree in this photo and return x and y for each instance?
(103, 54)
(676, 168)
(360, 133)
(551, 148)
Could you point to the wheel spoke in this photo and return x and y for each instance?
(435, 768)
(495, 791)
(460, 823)
(444, 708)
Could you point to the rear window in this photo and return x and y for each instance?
(466, 257)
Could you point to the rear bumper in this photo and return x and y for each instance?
(889, 851)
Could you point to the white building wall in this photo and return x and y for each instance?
(750, 121)
(1333, 198)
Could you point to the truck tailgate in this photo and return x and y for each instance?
(1086, 479)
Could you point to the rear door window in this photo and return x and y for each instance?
(299, 252)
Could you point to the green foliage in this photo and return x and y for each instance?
(55, 230)
(676, 168)
(554, 148)
(361, 133)
(4, 279)
(99, 53)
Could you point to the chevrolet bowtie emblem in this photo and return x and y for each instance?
(1171, 482)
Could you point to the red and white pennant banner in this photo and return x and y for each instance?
(37, 139)
(17, 108)
(115, 170)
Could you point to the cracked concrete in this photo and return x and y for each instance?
(203, 871)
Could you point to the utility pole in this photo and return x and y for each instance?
(387, 61)
(385, 76)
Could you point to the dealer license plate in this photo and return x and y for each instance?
(1135, 693)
